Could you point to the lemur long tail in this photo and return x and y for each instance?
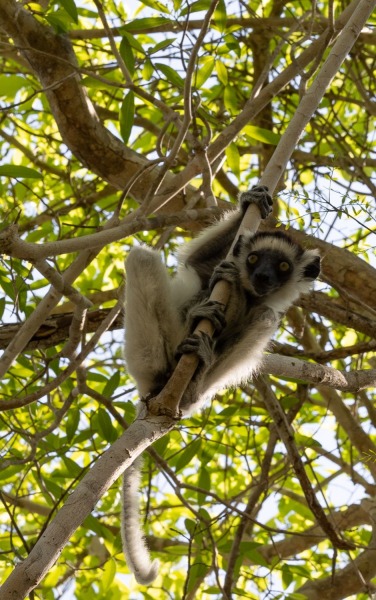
(136, 552)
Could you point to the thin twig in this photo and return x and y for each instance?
(286, 434)
(187, 95)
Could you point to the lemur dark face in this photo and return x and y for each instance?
(268, 261)
(268, 270)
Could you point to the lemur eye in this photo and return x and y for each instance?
(252, 259)
(284, 266)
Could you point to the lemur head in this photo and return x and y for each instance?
(269, 261)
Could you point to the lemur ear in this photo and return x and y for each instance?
(236, 250)
(312, 270)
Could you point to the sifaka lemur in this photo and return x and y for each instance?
(267, 272)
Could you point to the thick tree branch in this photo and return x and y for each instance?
(346, 381)
(80, 504)
(12, 245)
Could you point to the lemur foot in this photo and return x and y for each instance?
(211, 310)
(200, 344)
(226, 270)
(260, 196)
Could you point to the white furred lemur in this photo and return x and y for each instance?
(268, 271)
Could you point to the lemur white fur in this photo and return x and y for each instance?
(161, 311)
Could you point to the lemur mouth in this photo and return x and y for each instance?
(263, 289)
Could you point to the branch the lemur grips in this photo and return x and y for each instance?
(265, 273)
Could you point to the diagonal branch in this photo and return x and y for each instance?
(286, 434)
(26, 576)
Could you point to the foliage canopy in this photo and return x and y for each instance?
(112, 112)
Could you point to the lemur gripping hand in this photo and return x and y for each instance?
(259, 195)
(208, 309)
(200, 344)
(226, 270)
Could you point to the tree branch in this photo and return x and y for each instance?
(353, 578)
(26, 575)
(286, 434)
(293, 368)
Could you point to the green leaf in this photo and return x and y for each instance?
(72, 468)
(59, 21)
(196, 7)
(161, 445)
(256, 558)
(93, 524)
(92, 82)
(233, 158)
(204, 483)
(133, 41)
(127, 55)
(8, 472)
(146, 24)
(220, 16)
(188, 453)
(148, 70)
(161, 45)
(221, 72)
(306, 441)
(72, 422)
(155, 5)
(191, 526)
(232, 43)
(262, 135)
(11, 84)
(71, 9)
(204, 72)
(126, 116)
(19, 172)
(55, 489)
(287, 576)
(111, 385)
(230, 100)
(171, 75)
(197, 572)
(105, 426)
(108, 574)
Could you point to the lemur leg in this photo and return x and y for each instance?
(152, 323)
(242, 356)
(203, 346)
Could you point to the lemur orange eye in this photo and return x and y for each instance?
(252, 259)
(284, 266)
